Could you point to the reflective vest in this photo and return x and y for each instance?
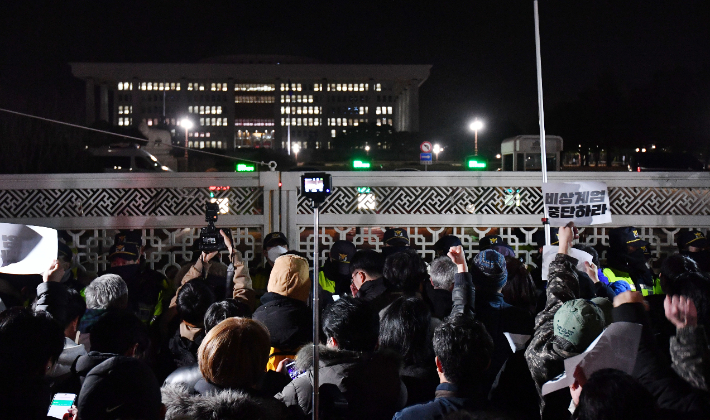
(617, 275)
(326, 283)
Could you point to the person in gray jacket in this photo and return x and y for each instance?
(355, 380)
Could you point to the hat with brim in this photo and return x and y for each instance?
(274, 239)
(692, 238)
(127, 251)
(342, 253)
(577, 323)
(620, 238)
(396, 236)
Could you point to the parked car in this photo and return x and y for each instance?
(127, 159)
(664, 162)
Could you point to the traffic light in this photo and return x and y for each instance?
(476, 163)
(361, 164)
(244, 167)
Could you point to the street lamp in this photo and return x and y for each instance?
(367, 149)
(186, 124)
(296, 148)
(475, 126)
(436, 150)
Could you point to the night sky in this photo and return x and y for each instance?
(482, 52)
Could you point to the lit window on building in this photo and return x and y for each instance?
(242, 99)
(332, 133)
(295, 87)
(202, 144)
(202, 121)
(125, 85)
(189, 143)
(378, 87)
(317, 87)
(389, 110)
(255, 122)
(254, 87)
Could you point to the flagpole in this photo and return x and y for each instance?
(543, 151)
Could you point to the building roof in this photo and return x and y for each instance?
(249, 72)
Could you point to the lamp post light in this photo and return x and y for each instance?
(367, 149)
(437, 149)
(187, 125)
(296, 148)
(475, 126)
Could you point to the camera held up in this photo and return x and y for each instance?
(210, 238)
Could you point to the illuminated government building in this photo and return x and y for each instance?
(252, 101)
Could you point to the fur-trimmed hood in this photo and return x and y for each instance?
(331, 356)
(181, 405)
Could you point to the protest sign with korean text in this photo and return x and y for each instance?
(584, 203)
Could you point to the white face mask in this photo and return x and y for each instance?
(275, 252)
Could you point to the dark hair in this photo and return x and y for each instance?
(117, 331)
(464, 349)
(674, 266)
(611, 394)
(228, 308)
(76, 307)
(193, 300)
(405, 271)
(519, 290)
(696, 287)
(28, 340)
(352, 323)
(369, 261)
(404, 328)
(589, 250)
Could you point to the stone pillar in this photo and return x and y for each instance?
(90, 102)
(103, 102)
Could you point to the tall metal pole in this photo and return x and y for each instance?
(316, 313)
(185, 148)
(543, 151)
(475, 147)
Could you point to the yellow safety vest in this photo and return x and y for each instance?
(617, 275)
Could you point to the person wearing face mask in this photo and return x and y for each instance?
(147, 289)
(626, 262)
(694, 244)
(275, 245)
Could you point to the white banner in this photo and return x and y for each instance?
(26, 249)
(615, 348)
(584, 203)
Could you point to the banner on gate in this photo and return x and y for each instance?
(584, 203)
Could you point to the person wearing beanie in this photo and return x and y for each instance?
(284, 310)
(565, 328)
(489, 275)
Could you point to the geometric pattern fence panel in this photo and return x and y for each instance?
(165, 250)
(502, 200)
(429, 200)
(127, 202)
(422, 239)
(660, 201)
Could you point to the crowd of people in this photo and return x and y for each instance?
(399, 339)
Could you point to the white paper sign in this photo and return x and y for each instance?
(615, 348)
(26, 249)
(517, 341)
(549, 252)
(584, 203)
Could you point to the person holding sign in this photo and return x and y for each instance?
(565, 328)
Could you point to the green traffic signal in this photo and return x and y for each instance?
(360, 164)
(243, 167)
(477, 163)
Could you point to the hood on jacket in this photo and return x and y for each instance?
(290, 277)
(329, 355)
(180, 404)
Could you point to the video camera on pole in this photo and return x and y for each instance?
(210, 238)
(316, 186)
